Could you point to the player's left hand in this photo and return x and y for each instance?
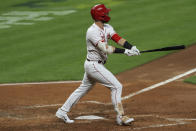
(129, 52)
(134, 49)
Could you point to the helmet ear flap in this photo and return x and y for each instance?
(106, 19)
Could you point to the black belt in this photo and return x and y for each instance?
(99, 61)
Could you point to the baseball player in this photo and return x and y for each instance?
(97, 37)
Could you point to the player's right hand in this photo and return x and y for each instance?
(131, 52)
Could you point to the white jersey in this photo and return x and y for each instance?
(93, 36)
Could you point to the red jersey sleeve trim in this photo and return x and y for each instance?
(116, 38)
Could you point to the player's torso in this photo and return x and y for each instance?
(95, 34)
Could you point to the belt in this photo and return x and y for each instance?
(99, 61)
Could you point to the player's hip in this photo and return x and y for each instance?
(99, 73)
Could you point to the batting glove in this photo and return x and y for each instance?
(134, 49)
(129, 52)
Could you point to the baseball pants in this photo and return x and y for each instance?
(96, 72)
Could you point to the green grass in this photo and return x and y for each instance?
(56, 49)
(191, 80)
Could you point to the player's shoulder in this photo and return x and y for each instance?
(92, 29)
(107, 26)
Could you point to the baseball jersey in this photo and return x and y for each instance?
(93, 36)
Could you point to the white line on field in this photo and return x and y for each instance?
(158, 125)
(40, 106)
(159, 84)
(39, 83)
(128, 96)
(52, 105)
(96, 102)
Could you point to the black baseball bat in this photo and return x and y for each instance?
(178, 47)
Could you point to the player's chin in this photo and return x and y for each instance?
(105, 21)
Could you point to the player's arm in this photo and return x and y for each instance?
(118, 39)
(124, 43)
(103, 46)
(121, 41)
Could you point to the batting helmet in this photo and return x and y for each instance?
(100, 13)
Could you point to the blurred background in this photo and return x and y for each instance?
(44, 40)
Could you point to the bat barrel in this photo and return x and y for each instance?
(179, 47)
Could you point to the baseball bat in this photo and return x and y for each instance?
(178, 47)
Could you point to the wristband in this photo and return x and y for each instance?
(127, 45)
(119, 50)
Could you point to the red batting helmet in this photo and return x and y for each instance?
(100, 12)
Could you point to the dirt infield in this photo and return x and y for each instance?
(170, 106)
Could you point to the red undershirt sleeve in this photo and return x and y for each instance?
(116, 38)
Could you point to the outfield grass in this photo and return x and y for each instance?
(56, 50)
(191, 80)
